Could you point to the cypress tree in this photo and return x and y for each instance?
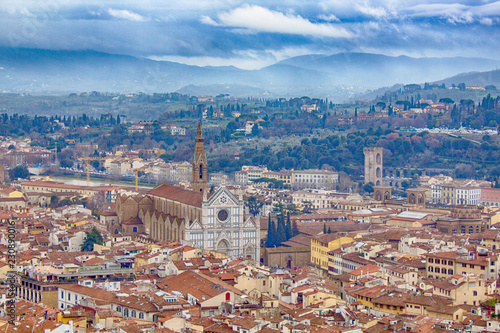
(329, 230)
(274, 236)
(288, 227)
(271, 231)
(280, 232)
(324, 228)
(295, 229)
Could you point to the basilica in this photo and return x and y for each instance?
(211, 220)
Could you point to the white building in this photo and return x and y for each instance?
(253, 172)
(223, 227)
(174, 130)
(318, 198)
(468, 195)
(313, 178)
(241, 177)
(436, 193)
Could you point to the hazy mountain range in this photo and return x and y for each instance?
(337, 76)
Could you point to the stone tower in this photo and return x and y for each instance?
(200, 175)
(373, 165)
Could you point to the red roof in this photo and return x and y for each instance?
(175, 193)
(368, 269)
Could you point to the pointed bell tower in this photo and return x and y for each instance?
(200, 169)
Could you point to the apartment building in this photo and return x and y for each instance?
(462, 262)
(313, 178)
(490, 196)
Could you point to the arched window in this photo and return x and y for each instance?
(201, 171)
(134, 229)
(228, 296)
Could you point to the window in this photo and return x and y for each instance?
(474, 293)
(141, 315)
(62, 294)
(69, 297)
(431, 260)
(437, 270)
(438, 261)
(134, 229)
(450, 263)
(464, 265)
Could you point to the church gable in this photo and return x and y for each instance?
(223, 236)
(224, 197)
(195, 225)
(249, 223)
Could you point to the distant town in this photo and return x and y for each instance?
(351, 225)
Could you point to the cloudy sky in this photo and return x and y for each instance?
(253, 34)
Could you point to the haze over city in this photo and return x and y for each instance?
(253, 34)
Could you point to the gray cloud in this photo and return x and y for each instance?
(254, 34)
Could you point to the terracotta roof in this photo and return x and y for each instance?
(445, 255)
(175, 193)
(198, 285)
(133, 221)
(367, 269)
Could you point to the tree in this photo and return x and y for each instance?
(308, 207)
(324, 228)
(271, 231)
(19, 172)
(295, 228)
(254, 205)
(93, 237)
(54, 201)
(279, 209)
(255, 130)
(280, 232)
(292, 209)
(446, 100)
(288, 227)
(329, 230)
(368, 188)
(66, 163)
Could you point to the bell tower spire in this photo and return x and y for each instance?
(200, 169)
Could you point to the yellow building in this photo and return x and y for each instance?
(446, 264)
(10, 193)
(285, 177)
(454, 313)
(319, 297)
(78, 317)
(76, 224)
(448, 194)
(320, 245)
